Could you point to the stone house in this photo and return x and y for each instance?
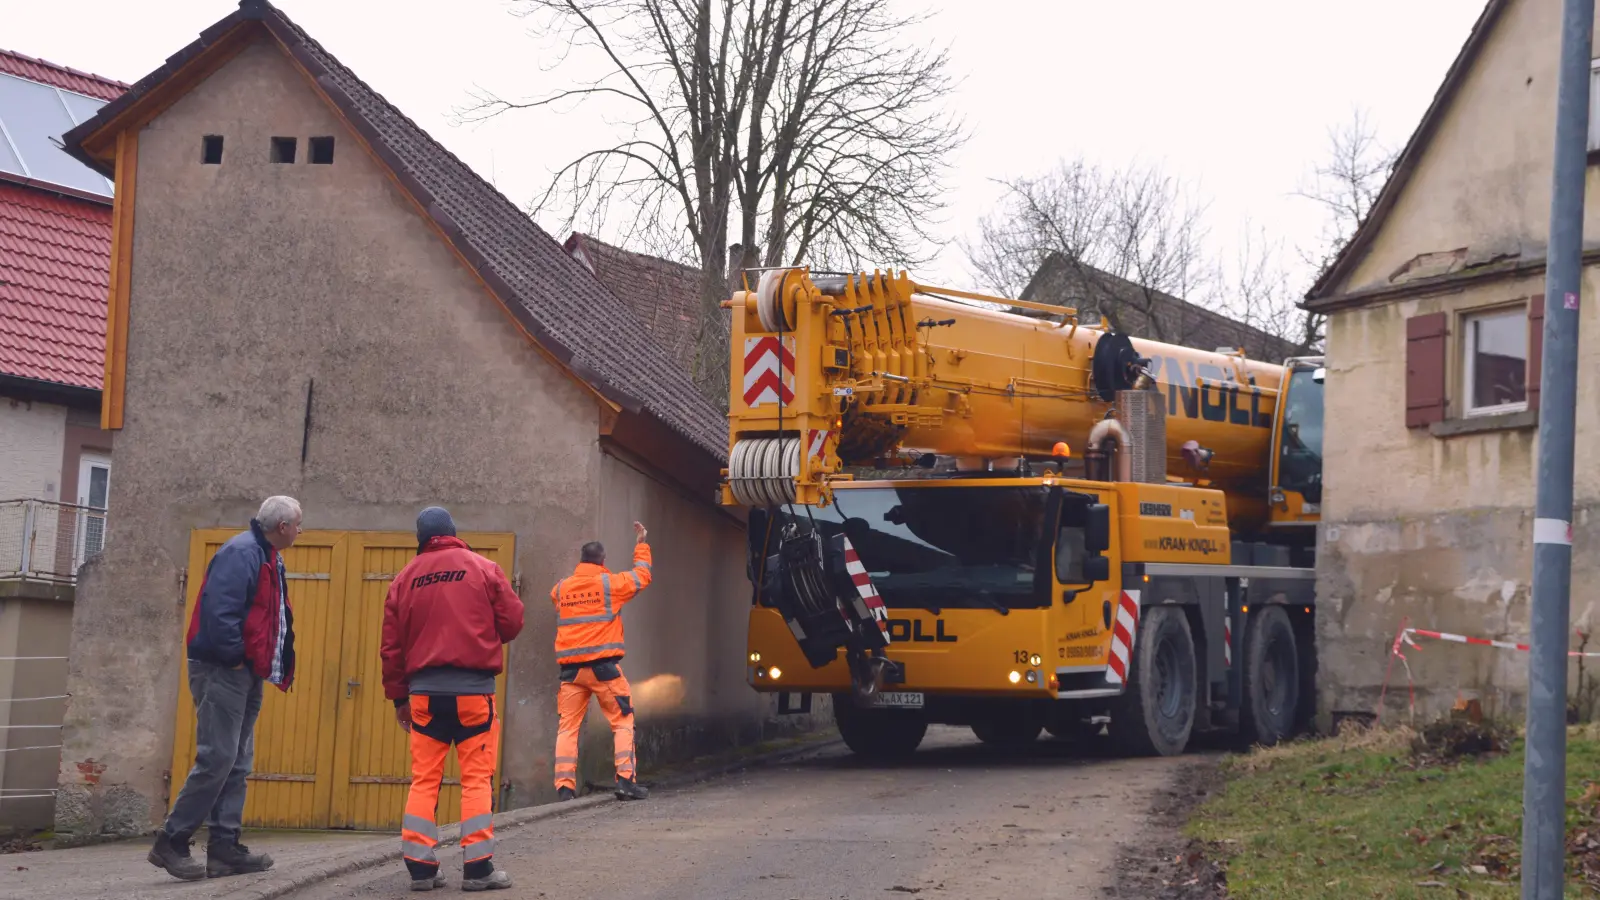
(1144, 312)
(1435, 311)
(316, 298)
(55, 460)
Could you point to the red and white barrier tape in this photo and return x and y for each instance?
(1404, 637)
(1406, 633)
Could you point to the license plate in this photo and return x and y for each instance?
(896, 700)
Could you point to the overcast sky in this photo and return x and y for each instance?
(1237, 95)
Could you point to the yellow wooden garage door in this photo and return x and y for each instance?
(328, 752)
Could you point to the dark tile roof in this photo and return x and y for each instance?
(97, 86)
(55, 264)
(1177, 321)
(664, 295)
(556, 299)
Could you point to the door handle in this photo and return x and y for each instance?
(350, 686)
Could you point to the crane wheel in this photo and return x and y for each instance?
(1271, 679)
(878, 735)
(1156, 714)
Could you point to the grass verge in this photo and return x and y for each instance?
(1392, 814)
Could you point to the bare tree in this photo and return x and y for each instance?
(1346, 185)
(1109, 241)
(787, 130)
(1258, 290)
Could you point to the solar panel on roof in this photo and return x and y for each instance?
(33, 117)
(81, 107)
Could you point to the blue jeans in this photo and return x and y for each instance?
(226, 705)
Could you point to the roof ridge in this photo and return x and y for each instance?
(587, 237)
(109, 82)
(1215, 315)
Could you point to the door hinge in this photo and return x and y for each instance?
(183, 586)
(516, 583)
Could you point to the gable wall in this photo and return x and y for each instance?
(249, 281)
(1483, 182)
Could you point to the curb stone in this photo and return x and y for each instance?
(377, 854)
(380, 853)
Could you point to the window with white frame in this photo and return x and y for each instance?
(1494, 361)
(1594, 105)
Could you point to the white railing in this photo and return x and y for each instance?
(41, 540)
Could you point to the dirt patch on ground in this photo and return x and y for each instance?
(1166, 865)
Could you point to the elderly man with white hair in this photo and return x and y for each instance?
(241, 635)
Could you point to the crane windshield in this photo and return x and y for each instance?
(934, 547)
(1300, 467)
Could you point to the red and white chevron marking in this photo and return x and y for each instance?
(1123, 633)
(869, 606)
(1405, 636)
(768, 370)
(1227, 639)
(817, 443)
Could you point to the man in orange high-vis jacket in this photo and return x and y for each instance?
(448, 614)
(589, 647)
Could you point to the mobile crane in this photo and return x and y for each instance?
(927, 545)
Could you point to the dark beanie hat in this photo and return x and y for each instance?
(434, 522)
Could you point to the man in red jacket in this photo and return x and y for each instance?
(447, 616)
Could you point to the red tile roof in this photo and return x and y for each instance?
(55, 260)
(664, 295)
(97, 86)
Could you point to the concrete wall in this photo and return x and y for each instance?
(31, 437)
(34, 621)
(686, 633)
(251, 279)
(1434, 528)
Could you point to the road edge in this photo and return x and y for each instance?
(376, 854)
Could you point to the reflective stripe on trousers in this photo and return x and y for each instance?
(419, 834)
(616, 702)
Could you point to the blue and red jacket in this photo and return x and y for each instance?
(243, 614)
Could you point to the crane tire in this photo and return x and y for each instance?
(878, 735)
(1271, 679)
(1156, 714)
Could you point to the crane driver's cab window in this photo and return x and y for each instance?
(1070, 547)
(933, 547)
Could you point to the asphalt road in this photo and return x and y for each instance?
(959, 821)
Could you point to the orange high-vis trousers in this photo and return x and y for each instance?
(605, 682)
(470, 724)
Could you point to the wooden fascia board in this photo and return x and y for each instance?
(115, 376)
(101, 144)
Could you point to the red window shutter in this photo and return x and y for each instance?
(1535, 347)
(1426, 342)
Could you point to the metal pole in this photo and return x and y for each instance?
(1545, 769)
